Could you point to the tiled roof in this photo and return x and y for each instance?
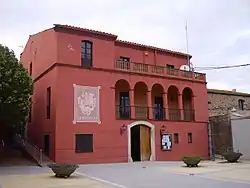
(86, 30)
(227, 92)
(120, 41)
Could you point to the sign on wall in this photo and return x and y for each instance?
(86, 104)
(166, 141)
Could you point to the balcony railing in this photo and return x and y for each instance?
(123, 112)
(188, 115)
(158, 113)
(141, 112)
(174, 114)
(158, 70)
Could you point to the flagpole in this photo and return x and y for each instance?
(186, 31)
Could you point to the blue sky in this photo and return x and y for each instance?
(219, 31)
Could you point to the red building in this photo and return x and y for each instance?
(98, 99)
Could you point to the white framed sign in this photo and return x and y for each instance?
(86, 104)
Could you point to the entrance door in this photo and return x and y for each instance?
(145, 143)
(46, 147)
(135, 143)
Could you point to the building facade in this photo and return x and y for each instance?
(220, 101)
(98, 99)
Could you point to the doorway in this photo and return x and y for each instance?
(140, 143)
(46, 147)
(159, 112)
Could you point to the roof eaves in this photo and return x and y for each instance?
(86, 30)
(153, 48)
(225, 92)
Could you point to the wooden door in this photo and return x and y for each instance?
(145, 143)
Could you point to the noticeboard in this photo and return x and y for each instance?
(166, 142)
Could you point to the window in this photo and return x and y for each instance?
(30, 110)
(170, 66)
(86, 54)
(124, 108)
(176, 138)
(125, 59)
(48, 105)
(84, 143)
(31, 69)
(241, 104)
(190, 138)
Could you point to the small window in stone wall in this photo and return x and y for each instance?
(241, 104)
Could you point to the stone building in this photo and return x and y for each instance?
(220, 101)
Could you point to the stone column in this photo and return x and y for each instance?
(149, 105)
(132, 103)
(165, 102)
(180, 106)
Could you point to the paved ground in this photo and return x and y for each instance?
(160, 175)
(47, 180)
(133, 175)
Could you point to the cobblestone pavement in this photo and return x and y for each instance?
(134, 175)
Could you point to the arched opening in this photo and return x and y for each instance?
(187, 102)
(158, 102)
(173, 107)
(141, 141)
(140, 99)
(122, 101)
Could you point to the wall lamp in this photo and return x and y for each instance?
(163, 129)
(123, 129)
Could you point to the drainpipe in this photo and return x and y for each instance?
(210, 142)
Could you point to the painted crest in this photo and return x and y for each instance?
(86, 102)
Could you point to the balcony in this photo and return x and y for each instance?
(158, 114)
(158, 70)
(142, 102)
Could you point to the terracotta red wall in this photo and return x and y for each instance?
(48, 47)
(39, 124)
(41, 50)
(103, 50)
(109, 145)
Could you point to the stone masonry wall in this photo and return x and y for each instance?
(220, 103)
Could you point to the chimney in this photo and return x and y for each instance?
(234, 90)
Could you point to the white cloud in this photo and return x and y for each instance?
(219, 31)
